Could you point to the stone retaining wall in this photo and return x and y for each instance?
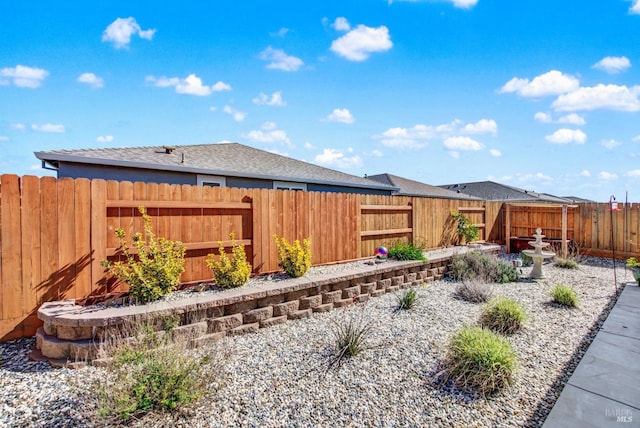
(72, 334)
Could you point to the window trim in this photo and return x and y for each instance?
(218, 179)
(289, 185)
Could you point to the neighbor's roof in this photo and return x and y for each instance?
(227, 159)
(417, 188)
(492, 191)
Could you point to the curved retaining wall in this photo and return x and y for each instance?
(72, 334)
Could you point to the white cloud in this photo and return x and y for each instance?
(18, 126)
(104, 139)
(341, 24)
(495, 153)
(119, 32)
(572, 119)
(213, 108)
(604, 175)
(454, 154)
(359, 43)
(4, 138)
(48, 127)
(606, 97)
(613, 64)
(610, 144)
(566, 136)
(553, 82)
(462, 143)
(634, 173)
(278, 60)
(417, 136)
(461, 4)
(268, 133)
(341, 115)
(337, 158)
(543, 117)
(376, 153)
(220, 86)
(483, 126)
(635, 7)
(23, 76)
(309, 146)
(237, 115)
(636, 138)
(280, 33)
(91, 80)
(274, 101)
(191, 85)
(585, 173)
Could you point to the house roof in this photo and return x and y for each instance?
(416, 188)
(226, 159)
(492, 191)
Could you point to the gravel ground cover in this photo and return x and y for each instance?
(280, 375)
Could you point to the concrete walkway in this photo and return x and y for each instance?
(604, 390)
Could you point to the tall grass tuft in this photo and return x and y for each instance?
(407, 299)
(480, 360)
(503, 315)
(564, 295)
(474, 291)
(351, 334)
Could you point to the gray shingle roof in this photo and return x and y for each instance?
(492, 191)
(417, 188)
(228, 159)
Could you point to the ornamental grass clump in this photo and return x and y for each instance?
(407, 299)
(475, 265)
(351, 335)
(153, 270)
(405, 251)
(566, 263)
(230, 272)
(294, 259)
(503, 315)
(474, 291)
(149, 373)
(564, 295)
(480, 360)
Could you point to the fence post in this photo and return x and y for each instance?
(564, 231)
(507, 228)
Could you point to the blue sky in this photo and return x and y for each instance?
(540, 95)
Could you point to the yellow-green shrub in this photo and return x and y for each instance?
(230, 272)
(156, 270)
(294, 259)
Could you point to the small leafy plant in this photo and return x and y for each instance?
(405, 251)
(564, 295)
(633, 262)
(230, 272)
(153, 270)
(474, 291)
(505, 272)
(466, 229)
(148, 373)
(503, 315)
(407, 299)
(480, 360)
(566, 263)
(294, 259)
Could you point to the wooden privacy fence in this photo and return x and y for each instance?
(54, 233)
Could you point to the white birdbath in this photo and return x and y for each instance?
(538, 254)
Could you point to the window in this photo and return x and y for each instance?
(212, 180)
(289, 185)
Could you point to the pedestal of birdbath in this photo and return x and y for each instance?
(538, 254)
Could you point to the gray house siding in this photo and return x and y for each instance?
(77, 170)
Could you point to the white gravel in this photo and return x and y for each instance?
(279, 377)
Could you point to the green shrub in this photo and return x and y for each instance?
(564, 295)
(566, 263)
(405, 251)
(474, 291)
(230, 272)
(526, 260)
(151, 374)
(475, 265)
(503, 315)
(407, 299)
(294, 259)
(467, 230)
(351, 335)
(155, 268)
(505, 272)
(480, 360)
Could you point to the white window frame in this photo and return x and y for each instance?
(289, 185)
(203, 179)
